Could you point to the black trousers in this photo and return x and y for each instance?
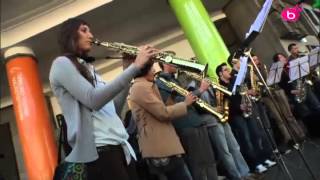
(111, 165)
(199, 154)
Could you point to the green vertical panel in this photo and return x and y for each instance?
(201, 33)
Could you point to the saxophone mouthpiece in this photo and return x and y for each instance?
(96, 42)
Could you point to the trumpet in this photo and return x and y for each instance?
(163, 57)
(213, 84)
(199, 102)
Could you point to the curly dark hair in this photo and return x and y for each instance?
(275, 57)
(146, 68)
(219, 68)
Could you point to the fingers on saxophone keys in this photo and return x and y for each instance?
(150, 50)
(194, 98)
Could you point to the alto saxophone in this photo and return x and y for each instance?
(223, 103)
(199, 102)
(246, 101)
(300, 86)
(213, 84)
(163, 57)
(254, 84)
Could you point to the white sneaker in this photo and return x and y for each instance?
(260, 168)
(269, 163)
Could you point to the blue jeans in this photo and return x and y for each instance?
(251, 140)
(228, 151)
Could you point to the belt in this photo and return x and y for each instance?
(109, 148)
(168, 157)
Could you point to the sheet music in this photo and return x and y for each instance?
(261, 18)
(314, 57)
(241, 74)
(299, 68)
(279, 72)
(275, 73)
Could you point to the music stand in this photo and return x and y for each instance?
(274, 75)
(241, 52)
(314, 57)
(278, 155)
(241, 74)
(299, 68)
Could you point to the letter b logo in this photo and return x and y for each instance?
(291, 14)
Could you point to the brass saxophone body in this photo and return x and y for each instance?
(199, 102)
(223, 105)
(300, 86)
(163, 57)
(255, 84)
(246, 101)
(213, 84)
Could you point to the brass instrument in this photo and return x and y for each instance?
(246, 101)
(213, 84)
(223, 105)
(199, 102)
(300, 86)
(163, 57)
(255, 84)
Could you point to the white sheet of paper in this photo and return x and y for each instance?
(314, 57)
(299, 65)
(279, 72)
(261, 18)
(275, 73)
(271, 77)
(241, 74)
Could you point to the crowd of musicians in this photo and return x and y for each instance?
(179, 125)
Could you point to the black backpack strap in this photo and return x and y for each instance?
(63, 138)
(60, 138)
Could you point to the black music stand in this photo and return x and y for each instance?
(278, 155)
(299, 68)
(274, 75)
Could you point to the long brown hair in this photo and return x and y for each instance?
(68, 41)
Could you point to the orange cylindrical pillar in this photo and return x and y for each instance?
(31, 112)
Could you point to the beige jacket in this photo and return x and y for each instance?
(156, 134)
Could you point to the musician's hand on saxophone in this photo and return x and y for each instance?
(295, 92)
(190, 99)
(252, 92)
(145, 54)
(244, 107)
(219, 109)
